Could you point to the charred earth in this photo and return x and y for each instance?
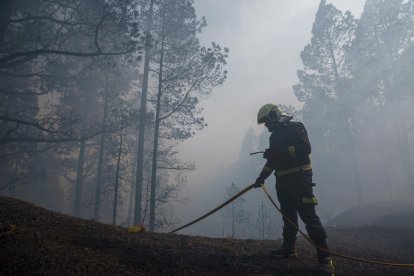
(37, 241)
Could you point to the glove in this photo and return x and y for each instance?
(259, 181)
(270, 155)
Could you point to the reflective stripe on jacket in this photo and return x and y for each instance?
(290, 145)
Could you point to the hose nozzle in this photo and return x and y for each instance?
(257, 152)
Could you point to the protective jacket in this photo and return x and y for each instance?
(288, 156)
(289, 149)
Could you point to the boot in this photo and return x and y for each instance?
(325, 267)
(284, 252)
(287, 250)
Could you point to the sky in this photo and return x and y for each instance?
(265, 38)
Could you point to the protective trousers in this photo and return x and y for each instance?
(295, 194)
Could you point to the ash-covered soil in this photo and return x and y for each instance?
(36, 241)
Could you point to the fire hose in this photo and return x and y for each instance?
(339, 255)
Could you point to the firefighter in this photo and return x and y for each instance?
(288, 155)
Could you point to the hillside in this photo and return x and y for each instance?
(37, 241)
(399, 213)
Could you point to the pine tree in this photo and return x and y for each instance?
(323, 87)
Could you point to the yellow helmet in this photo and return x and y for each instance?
(269, 112)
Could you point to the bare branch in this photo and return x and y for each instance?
(48, 140)
(4, 61)
(181, 103)
(17, 62)
(29, 75)
(60, 4)
(177, 168)
(8, 133)
(48, 18)
(97, 33)
(31, 151)
(33, 124)
(14, 181)
(21, 93)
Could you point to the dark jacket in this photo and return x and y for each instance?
(289, 147)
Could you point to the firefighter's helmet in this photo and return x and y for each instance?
(270, 112)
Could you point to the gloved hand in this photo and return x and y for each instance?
(270, 155)
(259, 181)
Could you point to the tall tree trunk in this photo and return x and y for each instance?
(100, 158)
(263, 220)
(131, 203)
(81, 158)
(354, 174)
(403, 143)
(143, 113)
(354, 166)
(79, 179)
(383, 156)
(145, 211)
(6, 7)
(349, 133)
(404, 149)
(154, 165)
(121, 138)
(156, 133)
(232, 220)
(13, 186)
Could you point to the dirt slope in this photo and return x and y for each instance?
(399, 213)
(36, 241)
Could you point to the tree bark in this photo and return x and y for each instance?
(79, 179)
(403, 143)
(383, 157)
(263, 220)
(121, 138)
(232, 220)
(156, 134)
(131, 203)
(354, 165)
(6, 7)
(100, 159)
(142, 125)
(404, 149)
(349, 140)
(81, 158)
(349, 137)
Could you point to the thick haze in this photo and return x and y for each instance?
(91, 129)
(265, 39)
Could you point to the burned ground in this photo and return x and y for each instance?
(37, 241)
